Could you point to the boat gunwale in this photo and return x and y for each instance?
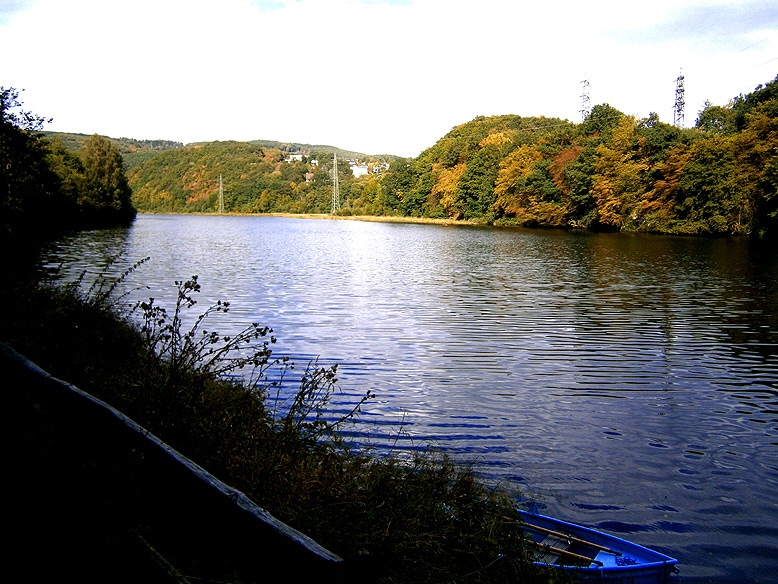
(655, 559)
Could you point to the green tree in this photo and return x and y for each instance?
(29, 195)
(756, 149)
(398, 184)
(655, 138)
(716, 119)
(576, 175)
(106, 196)
(711, 195)
(744, 104)
(67, 165)
(475, 194)
(601, 121)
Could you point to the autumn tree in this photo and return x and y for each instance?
(620, 169)
(658, 205)
(511, 184)
(445, 192)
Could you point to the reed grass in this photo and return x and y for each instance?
(396, 518)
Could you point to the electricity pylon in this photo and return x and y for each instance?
(221, 195)
(335, 189)
(679, 101)
(586, 105)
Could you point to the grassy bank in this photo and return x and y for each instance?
(395, 519)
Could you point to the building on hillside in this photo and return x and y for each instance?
(358, 169)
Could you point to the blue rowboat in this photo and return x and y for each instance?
(593, 556)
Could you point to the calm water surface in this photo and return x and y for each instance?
(629, 383)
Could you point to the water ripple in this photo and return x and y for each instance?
(625, 382)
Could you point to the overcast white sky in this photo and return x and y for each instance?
(375, 76)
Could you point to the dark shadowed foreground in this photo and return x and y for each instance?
(98, 498)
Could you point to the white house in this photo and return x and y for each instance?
(359, 170)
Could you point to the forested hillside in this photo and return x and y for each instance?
(255, 179)
(611, 172)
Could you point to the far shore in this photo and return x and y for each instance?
(369, 218)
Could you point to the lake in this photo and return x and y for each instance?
(625, 382)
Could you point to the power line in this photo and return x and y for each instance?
(752, 46)
(761, 64)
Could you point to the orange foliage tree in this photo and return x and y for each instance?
(618, 182)
(444, 191)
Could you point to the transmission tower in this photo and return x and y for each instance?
(679, 101)
(221, 195)
(586, 104)
(335, 189)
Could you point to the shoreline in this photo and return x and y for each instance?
(451, 223)
(327, 216)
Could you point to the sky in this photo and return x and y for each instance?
(373, 76)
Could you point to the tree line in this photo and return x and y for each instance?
(610, 172)
(46, 188)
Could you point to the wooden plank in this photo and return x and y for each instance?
(556, 542)
(560, 552)
(570, 538)
(552, 543)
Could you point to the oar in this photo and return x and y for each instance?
(570, 538)
(562, 552)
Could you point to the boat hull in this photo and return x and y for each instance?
(593, 556)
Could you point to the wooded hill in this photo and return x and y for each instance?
(254, 179)
(133, 151)
(610, 172)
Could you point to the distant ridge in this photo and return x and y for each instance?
(297, 147)
(133, 151)
(75, 141)
(136, 151)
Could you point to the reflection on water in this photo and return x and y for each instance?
(628, 382)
